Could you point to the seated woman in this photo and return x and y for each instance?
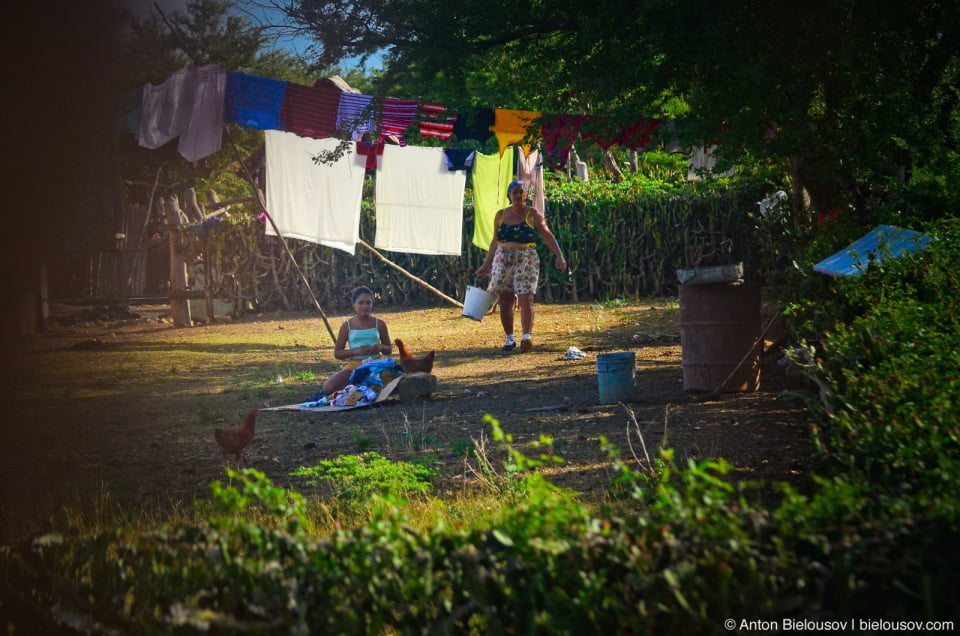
(362, 337)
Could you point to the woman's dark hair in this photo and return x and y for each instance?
(356, 293)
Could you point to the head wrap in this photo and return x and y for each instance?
(514, 184)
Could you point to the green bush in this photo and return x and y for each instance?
(698, 554)
(622, 241)
(891, 353)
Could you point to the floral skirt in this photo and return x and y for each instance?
(515, 270)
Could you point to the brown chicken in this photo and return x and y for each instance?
(410, 364)
(235, 440)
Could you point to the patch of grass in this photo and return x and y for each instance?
(360, 440)
(208, 416)
(461, 447)
(355, 478)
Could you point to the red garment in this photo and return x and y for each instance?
(435, 122)
(310, 111)
(559, 132)
(370, 151)
(635, 136)
(639, 134)
(397, 116)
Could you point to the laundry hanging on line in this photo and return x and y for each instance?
(188, 105)
(419, 202)
(316, 202)
(492, 175)
(322, 111)
(253, 102)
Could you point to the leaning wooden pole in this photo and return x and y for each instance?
(283, 242)
(409, 275)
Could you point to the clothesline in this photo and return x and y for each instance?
(194, 102)
(419, 190)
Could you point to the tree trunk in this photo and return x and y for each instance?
(616, 175)
(822, 194)
(179, 304)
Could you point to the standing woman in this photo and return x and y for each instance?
(361, 338)
(514, 265)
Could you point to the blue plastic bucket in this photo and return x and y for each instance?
(616, 375)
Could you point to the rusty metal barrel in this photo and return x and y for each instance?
(719, 328)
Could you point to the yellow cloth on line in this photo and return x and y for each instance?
(512, 126)
(492, 175)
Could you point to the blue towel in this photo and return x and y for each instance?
(253, 102)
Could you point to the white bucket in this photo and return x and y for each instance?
(477, 302)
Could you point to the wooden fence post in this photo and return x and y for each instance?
(179, 304)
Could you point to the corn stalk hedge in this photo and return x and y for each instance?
(624, 244)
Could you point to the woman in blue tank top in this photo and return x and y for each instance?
(513, 265)
(362, 337)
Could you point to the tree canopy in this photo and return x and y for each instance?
(853, 93)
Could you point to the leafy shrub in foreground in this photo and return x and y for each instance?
(892, 359)
(697, 553)
(355, 478)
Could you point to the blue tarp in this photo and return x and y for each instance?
(884, 241)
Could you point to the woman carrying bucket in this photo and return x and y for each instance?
(513, 264)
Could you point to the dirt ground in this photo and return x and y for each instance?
(107, 406)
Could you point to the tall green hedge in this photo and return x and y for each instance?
(620, 242)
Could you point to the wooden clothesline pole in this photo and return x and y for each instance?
(409, 275)
(143, 230)
(283, 242)
(185, 45)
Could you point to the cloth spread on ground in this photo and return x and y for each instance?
(253, 102)
(419, 202)
(512, 126)
(371, 373)
(370, 383)
(317, 202)
(323, 405)
(310, 111)
(491, 178)
(530, 171)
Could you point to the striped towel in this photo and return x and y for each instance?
(310, 111)
(355, 116)
(398, 115)
(436, 121)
